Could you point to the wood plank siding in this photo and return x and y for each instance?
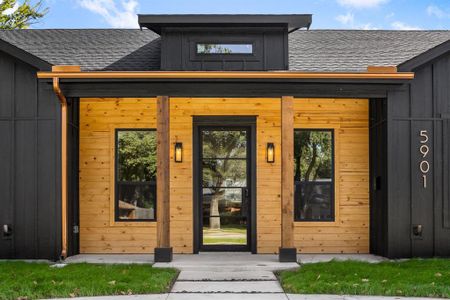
(349, 117)
(350, 231)
(98, 120)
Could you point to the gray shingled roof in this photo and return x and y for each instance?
(136, 50)
(92, 49)
(354, 50)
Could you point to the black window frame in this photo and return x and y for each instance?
(116, 182)
(333, 179)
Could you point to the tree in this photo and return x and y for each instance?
(20, 16)
(227, 146)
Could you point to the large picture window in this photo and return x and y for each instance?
(314, 174)
(135, 175)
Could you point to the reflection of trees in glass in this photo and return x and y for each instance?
(137, 155)
(219, 167)
(136, 167)
(224, 48)
(313, 163)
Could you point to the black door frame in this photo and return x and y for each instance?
(224, 121)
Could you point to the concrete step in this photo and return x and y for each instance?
(226, 276)
(227, 287)
(228, 296)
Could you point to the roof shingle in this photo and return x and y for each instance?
(309, 51)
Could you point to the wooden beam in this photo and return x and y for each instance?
(382, 69)
(287, 172)
(223, 75)
(162, 172)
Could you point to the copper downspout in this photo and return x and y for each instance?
(63, 102)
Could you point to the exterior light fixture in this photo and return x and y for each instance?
(270, 152)
(178, 152)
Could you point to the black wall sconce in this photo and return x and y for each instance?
(178, 152)
(270, 152)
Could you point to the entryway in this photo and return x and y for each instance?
(224, 183)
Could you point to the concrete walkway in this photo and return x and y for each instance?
(228, 275)
(227, 272)
(176, 296)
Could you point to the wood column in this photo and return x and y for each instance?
(163, 252)
(287, 250)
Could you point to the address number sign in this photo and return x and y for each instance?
(424, 151)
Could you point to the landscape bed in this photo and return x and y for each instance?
(22, 280)
(412, 278)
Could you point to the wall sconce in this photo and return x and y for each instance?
(270, 152)
(178, 152)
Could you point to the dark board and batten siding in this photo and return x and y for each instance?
(270, 49)
(29, 160)
(422, 105)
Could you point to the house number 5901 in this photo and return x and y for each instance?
(424, 150)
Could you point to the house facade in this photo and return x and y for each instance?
(224, 133)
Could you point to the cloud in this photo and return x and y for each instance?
(117, 15)
(397, 25)
(433, 10)
(10, 11)
(362, 3)
(368, 26)
(346, 19)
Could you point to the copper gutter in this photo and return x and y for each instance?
(63, 102)
(225, 75)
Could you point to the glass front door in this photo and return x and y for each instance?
(224, 191)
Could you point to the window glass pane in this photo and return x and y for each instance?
(206, 48)
(313, 174)
(224, 216)
(136, 155)
(136, 201)
(224, 172)
(224, 143)
(313, 155)
(135, 175)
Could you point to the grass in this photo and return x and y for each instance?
(417, 277)
(21, 280)
(224, 241)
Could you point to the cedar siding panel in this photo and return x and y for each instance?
(99, 118)
(350, 120)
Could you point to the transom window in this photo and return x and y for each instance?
(314, 174)
(218, 48)
(135, 175)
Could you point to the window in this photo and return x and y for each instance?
(135, 175)
(314, 174)
(206, 48)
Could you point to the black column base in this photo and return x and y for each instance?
(287, 254)
(163, 254)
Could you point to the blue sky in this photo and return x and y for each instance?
(347, 14)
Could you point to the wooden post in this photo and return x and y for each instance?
(287, 251)
(163, 252)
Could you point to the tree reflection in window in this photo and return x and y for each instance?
(224, 175)
(314, 175)
(135, 174)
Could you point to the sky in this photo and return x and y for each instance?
(327, 14)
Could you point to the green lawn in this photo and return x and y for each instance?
(21, 280)
(420, 278)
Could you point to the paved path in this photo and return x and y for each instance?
(229, 273)
(176, 296)
(233, 276)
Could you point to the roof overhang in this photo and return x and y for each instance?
(201, 75)
(291, 21)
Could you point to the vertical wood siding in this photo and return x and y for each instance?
(29, 163)
(349, 117)
(268, 175)
(98, 120)
(350, 231)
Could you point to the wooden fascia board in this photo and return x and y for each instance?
(224, 75)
